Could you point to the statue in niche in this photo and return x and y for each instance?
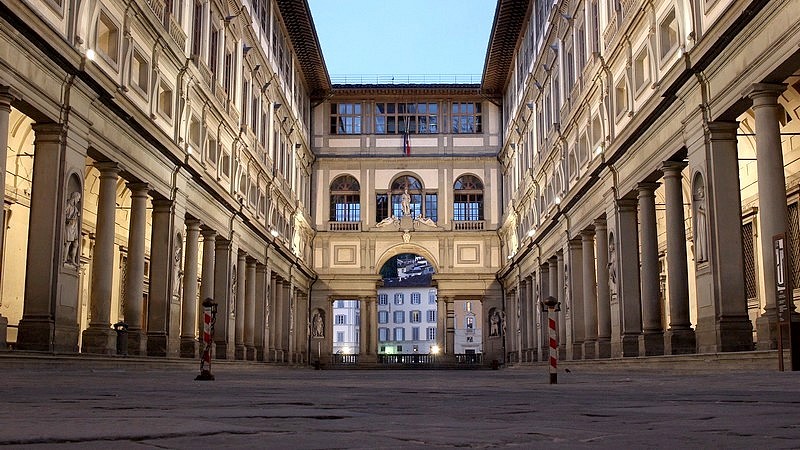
(177, 258)
(405, 203)
(72, 231)
(700, 221)
(317, 326)
(566, 287)
(232, 298)
(497, 323)
(612, 263)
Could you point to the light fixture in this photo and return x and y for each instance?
(435, 349)
(90, 54)
(558, 199)
(274, 232)
(531, 232)
(257, 68)
(598, 150)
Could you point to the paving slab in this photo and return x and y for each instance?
(275, 407)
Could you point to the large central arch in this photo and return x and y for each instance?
(407, 247)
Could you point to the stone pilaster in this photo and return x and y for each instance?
(279, 319)
(552, 291)
(562, 315)
(6, 98)
(576, 301)
(652, 329)
(134, 279)
(99, 337)
(628, 274)
(259, 313)
(272, 318)
(589, 295)
(206, 274)
(772, 209)
(680, 337)
(250, 311)
(441, 325)
(451, 326)
(240, 313)
(189, 308)
(522, 320)
(165, 260)
(224, 288)
(532, 311)
(603, 291)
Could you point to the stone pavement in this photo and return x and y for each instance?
(277, 407)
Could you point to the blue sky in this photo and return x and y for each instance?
(400, 37)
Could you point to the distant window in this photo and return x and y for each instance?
(620, 98)
(345, 199)
(466, 117)
(432, 315)
(399, 298)
(430, 333)
(340, 336)
(383, 299)
(415, 298)
(383, 316)
(415, 335)
(399, 317)
(383, 334)
(469, 322)
(413, 118)
(345, 118)
(399, 335)
(211, 151)
(415, 317)
(341, 319)
(468, 198)
(107, 38)
(641, 70)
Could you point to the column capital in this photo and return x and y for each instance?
(107, 168)
(627, 204)
(673, 168)
(208, 233)
(587, 234)
(251, 262)
(600, 225)
(723, 130)
(241, 256)
(138, 189)
(575, 243)
(7, 96)
(647, 189)
(161, 205)
(192, 225)
(47, 131)
(261, 268)
(764, 94)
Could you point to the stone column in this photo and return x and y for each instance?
(653, 331)
(723, 324)
(363, 330)
(589, 295)
(451, 326)
(510, 325)
(239, 314)
(134, 279)
(371, 321)
(279, 319)
(99, 337)
(441, 324)
(224, 278)
(250, 310)
(603, 292)
(189, 343)
(163, 260)
(562, 315)
(50, 312)
(628, 275)
(286, 319)
(523, 319)
(207, 274)
(575, 289)
(680, 337)
(260, 312)
(532, 311)
(772, 210)
(272, 318)
(6, 98)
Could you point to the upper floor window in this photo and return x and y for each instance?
(345, 118)
(411, 118)
(197, 28)
(140, 72)
(383, 299)
(345, 200)
(399, 298)
(420, 203)
(415, 298)
(468, 198)
(466, 117)
(641, 70)
(668, 34)
(108, 38)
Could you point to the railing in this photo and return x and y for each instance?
(610, 31)
(406, 79)
(344, 226)
(157, 6)
(470, 358)
(410, 359)
(177, 33)
(468, 225)
(339, 359)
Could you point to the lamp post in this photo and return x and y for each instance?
(553, 306)
(209, 319)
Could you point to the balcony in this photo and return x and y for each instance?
(610, 32)
(176, 32)
(468, 225)
(344, 226)
(157, 6)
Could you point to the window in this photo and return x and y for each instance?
(107, 38)
(641, 70)
(340, 303)
(197, 28)
(399, 298)
(228, 73)
(340, 336)
(399, 335)
(415, 334)
(466, 117)
(213, 55)
(414, 187)
(399, 317)
(341, 319)
(165, 100)
(432, 315)
(432, 297)
(415, 316)
(432, 206)
(194, 131)
(383, 299)
(226, 164)
(468, 306)
(668, 34)
(620, 98)
(345, 118)
(415, 298)
(430, 333)
(345, 200)
(381, 207)
(211, 151)
(469, 322)
(595, 24)
(383, 334)
(416, 118)
(140, 73)
(383, 316)
(468, 198)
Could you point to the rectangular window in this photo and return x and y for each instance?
(415, 298)
(383, 334)
(430, 333)
(399, 335)
(213, 55)
(140, 73)
(381, 207)
(383, 316)
(399, 118)
(108, 38)
(165, 100)
(469, 323)
(226, 164)
(668, 34)
(341, 319)
(641, 70)
(415, 334)
(345, 118)
(194, 131)
(211, 151)
(228, 75)
(432, 315)
(415, 317)
(432, 297)
(432, 206)
(399, 298)
(383, 299)
(466, 117)
(399, 317)
(340, 336)
(340, 303)
(620, 99)
(197, 28)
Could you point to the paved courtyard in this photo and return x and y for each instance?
(270, 407)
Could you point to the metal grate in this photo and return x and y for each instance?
(793, 231)
(750, 287)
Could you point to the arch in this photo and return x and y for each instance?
(468, 198)
(345, 199)
(399, 249)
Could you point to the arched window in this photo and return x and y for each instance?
(468, 198)
(345, 200)
(422, 203)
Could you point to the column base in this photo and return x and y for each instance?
(221, 350)
(239, 352)
(260, 356)
(630, 345)
(3, 333)
(189, 347)
(577, 350)
(99, 340)
(767, 330)
(603, 348)
(733, 334)
(590, 349)
(157, 344)
(652, 343)
(269, 355)
(34, 335)
(680, 342)
(66, 338)
(137, 343)
(250, 353)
